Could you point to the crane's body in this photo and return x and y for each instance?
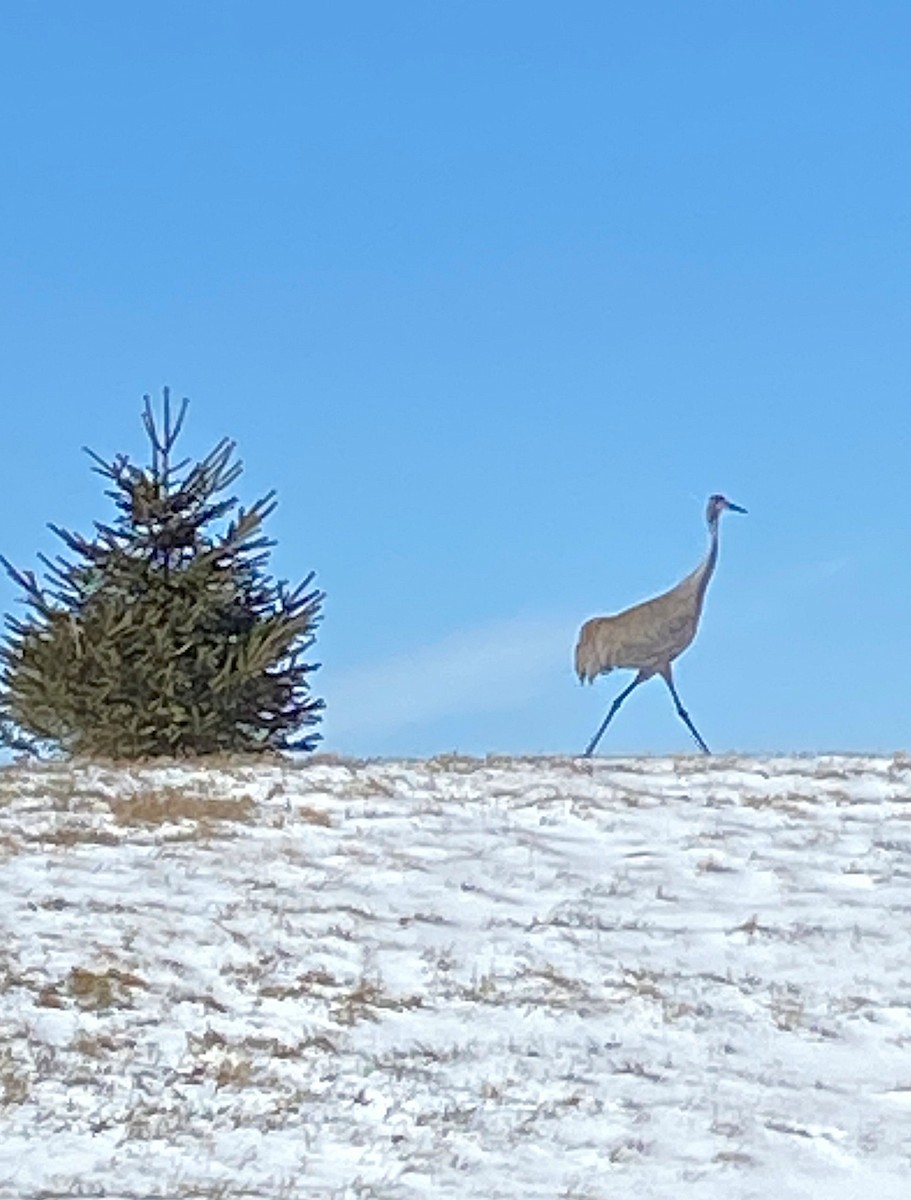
(648, 637)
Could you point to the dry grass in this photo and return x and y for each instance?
(364, 1002)
(101, 1045)
(174, 805)
(76, 835)
(305, 985)
(312, 816)
(347, 1004)
(14, 1081)
(92, 990)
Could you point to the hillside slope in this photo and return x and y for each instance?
(458, 978)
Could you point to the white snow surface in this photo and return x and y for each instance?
(554, 978)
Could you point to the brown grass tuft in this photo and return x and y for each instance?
(14, 1083)
(173, 805)
(92, 990)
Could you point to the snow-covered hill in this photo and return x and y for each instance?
(458, 978)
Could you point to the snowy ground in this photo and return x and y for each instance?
(458, 978)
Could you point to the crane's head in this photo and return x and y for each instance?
(717, 505)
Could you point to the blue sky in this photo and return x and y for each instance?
(495, 295)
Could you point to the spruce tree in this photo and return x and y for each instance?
(163, 633)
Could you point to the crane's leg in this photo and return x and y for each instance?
(681, 711)
(590, 749)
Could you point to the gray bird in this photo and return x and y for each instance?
(649, 636)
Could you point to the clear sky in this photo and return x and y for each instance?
(495, 295)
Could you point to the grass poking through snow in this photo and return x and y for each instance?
(457, 978)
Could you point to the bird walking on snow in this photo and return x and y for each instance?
(649, 636)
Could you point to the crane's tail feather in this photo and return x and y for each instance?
(593, 651)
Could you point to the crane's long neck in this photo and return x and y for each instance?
(705, 571)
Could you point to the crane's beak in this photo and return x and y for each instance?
(736, 507)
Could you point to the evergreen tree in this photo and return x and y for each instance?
(164, 635)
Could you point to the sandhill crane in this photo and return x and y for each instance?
(649, 636)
